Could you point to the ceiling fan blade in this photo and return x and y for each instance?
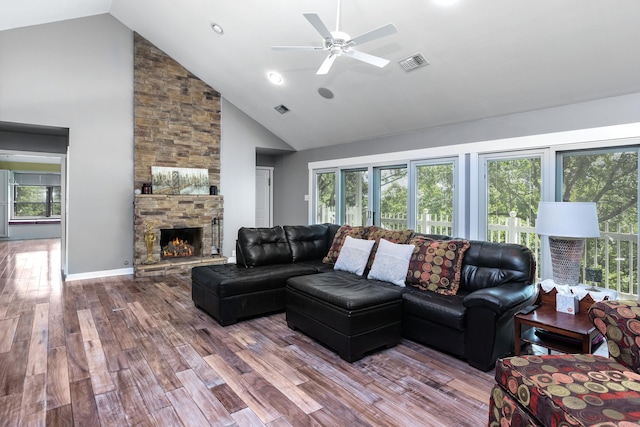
(383, 31)
(297, 48)
(369, 59)
(317, 23)
(326, 65)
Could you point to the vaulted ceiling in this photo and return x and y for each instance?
(486, 57)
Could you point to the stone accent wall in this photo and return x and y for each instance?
(177, 116)
(176, 124)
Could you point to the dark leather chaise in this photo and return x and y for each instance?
(266, 258)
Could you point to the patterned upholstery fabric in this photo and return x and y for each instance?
(620, 322)
(394, 236)
(435, 264)
(340, 237)
(505, 411)
(571, 389)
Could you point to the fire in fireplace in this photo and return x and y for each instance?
(177, 248)
(180, 242)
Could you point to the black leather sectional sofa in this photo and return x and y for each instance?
(281, 268)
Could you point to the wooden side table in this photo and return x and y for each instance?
(567, 333)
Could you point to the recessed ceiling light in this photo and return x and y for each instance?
(217, 28)
(275, 78)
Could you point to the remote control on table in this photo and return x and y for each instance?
(529, 309)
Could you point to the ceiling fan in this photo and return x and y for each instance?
(338, 43)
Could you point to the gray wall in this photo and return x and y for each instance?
(291, 176)
(34, 231)
(241, 137)
(78, 74)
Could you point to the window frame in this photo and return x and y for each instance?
(49, 199)
(413, 190)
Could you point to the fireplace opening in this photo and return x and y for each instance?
(180, 242)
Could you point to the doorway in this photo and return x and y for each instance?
(264, 197)
(35, 160)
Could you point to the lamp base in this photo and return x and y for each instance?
(566, 255)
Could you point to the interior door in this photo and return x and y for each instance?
(264, 195)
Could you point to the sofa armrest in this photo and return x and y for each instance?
(619, 321)
(500, 299)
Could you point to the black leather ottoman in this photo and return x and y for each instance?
(345, 312)
(228, 292)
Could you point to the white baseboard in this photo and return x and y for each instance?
(99, 274)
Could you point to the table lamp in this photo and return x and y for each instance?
(567, 224)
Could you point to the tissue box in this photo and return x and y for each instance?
(567, 303)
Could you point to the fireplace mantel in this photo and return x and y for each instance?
(175, 211)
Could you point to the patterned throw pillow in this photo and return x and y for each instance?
(435, 264)
(339, 238)
(401, 237)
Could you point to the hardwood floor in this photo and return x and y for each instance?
(123, 351)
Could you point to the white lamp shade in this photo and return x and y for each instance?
(567, 219)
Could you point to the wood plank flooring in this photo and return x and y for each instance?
(136, 352)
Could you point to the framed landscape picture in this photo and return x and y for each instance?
(168, 180)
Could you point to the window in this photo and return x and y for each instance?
(391, 197)
(513, 191)
(355, 197)
(325, 191)
(610, 179)
(36, 195)
(508, 203)
(434, 197)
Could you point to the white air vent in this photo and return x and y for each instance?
(413, 62)
(281, 109)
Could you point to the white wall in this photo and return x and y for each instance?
(78, 74)
(240, 136)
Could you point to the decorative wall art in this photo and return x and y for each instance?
(169, 180)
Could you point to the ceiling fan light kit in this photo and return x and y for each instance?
(339, 43)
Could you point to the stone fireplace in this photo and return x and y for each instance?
(187, 217)
(176, 124)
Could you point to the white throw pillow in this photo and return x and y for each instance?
(391, 262)
(354, 255)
